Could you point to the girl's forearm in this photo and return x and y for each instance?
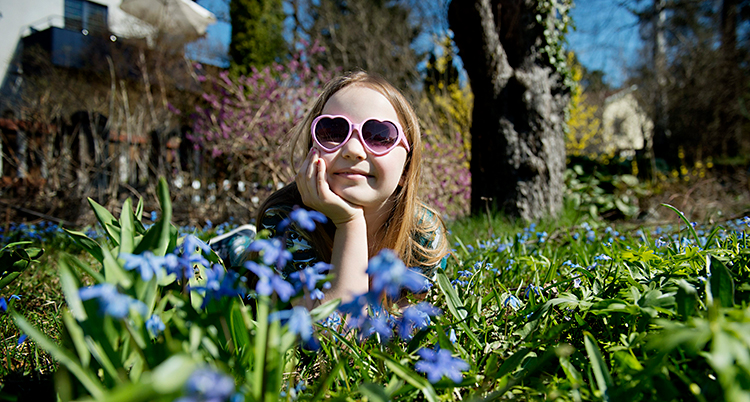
(349, 259)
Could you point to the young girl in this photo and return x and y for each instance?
(362, 170)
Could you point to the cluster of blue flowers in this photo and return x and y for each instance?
(208, 385)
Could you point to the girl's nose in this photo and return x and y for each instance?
(354, 147)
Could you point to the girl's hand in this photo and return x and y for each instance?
(317, 194)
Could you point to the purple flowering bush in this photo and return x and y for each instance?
(245, 121)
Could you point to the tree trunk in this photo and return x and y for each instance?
(731, 81)
(517, 139)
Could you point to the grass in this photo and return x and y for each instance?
(564, 309)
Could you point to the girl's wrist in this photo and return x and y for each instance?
(353, 221)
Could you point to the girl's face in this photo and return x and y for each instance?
(353, 173)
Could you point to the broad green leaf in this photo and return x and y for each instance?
(69, 285)
(170, 375)
(63, 356)
(373, 392)
(601, 373)
(721, 283)
(106, 219)
(88, 244)
(76, 335)
(164, 223)
(324, 310)
(239, 329)
(113, 271)
(74, 261)
(127, 227)
(455, 306)
(511, 363)
(686, 298)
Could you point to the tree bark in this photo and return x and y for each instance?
(518, 149)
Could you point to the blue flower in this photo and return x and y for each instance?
(112, 302)
(22, 338)
(147, 264)
(306, 219)
(206, 384)
(153, 216)
(452, 336)
(439, 363)
(355, 312)
(536, 289)
(379, 324)
(269, 281)
(298, 321)
(512, 302)
(220, 283)
(274, 253)
(389, 274)
(4, 303)
(310, 276)
(186, 256)
(155, 325)
(416, 317)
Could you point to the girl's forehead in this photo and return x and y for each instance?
(360, 102)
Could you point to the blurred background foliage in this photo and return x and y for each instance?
(109, 129)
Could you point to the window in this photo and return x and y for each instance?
(83, 14)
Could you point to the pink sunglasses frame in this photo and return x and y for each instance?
(354, 126)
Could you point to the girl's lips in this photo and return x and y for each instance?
(352, 175)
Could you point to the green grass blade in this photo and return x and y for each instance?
(682, 216)
(455, 306)
(64, 357)
(601, 373)
(409, 376)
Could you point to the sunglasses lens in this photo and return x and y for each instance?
(331, 132)
(380, 136)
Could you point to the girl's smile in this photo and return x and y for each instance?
(353, 173)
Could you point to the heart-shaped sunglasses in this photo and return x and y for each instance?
(331, 132)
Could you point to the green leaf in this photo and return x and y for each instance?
(164, 223)
(511, 363)
(455, 306)
(127, 227)
(406, 374)
(373, 392)
(76, 335)
(601, 373)
(686, 299)
(63, 356)
(170, 375)
(238, 327)
(720, 281)
(113, 271)
(682, 216)
(88, 244)
(106, 219)
(69, 285)
(324, 310)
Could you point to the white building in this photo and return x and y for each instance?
(626, 125)
(68, 22)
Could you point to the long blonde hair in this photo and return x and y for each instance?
(408, 221)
